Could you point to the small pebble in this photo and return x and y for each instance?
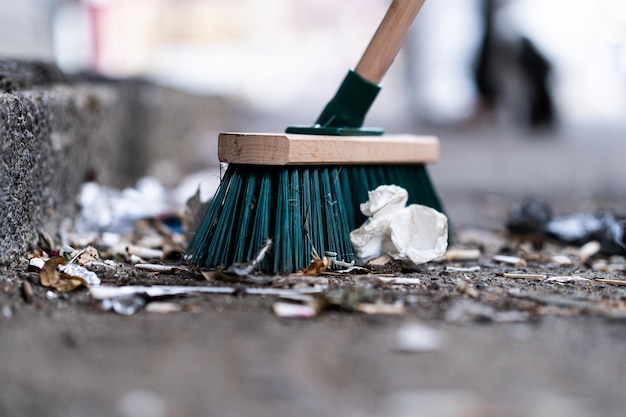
(27, 292)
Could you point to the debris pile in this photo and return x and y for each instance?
(137, 263)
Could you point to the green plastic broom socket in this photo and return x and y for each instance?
(345, 113)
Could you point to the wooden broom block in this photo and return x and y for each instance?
(297, 149)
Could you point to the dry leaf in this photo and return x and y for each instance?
(50, 277)
(85, 256)
(316, 267)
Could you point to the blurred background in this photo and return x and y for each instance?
(283, 56)
(533, 91)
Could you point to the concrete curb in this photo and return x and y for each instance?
(54, 132)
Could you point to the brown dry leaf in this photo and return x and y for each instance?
(316, 267)
(51, 278)
(85, 256)
(37, 253)
(193, 212)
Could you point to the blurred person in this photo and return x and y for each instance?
(471, 62)
(504, 52)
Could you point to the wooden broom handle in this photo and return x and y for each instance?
(388, 39)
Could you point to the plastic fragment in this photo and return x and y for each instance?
(80, 272)
(173, 269)
(399, 280)
(475, 268)
(103, 292)
(511, 260)
(128, 300)
(354, 268)
(562, 260)
(51, 277)
(535, 217)
(104, 208)
(336, 263)
(567, 279)
(144, 253)
(285, 292)
(523, 275)
(37, 263)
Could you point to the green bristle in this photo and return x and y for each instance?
(300, 209)
(261, 225)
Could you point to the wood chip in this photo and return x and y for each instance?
(462, 255)
(611, 281)
(588, 250)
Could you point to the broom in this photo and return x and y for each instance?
(302, 189)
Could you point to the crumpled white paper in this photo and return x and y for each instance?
(416, 233)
